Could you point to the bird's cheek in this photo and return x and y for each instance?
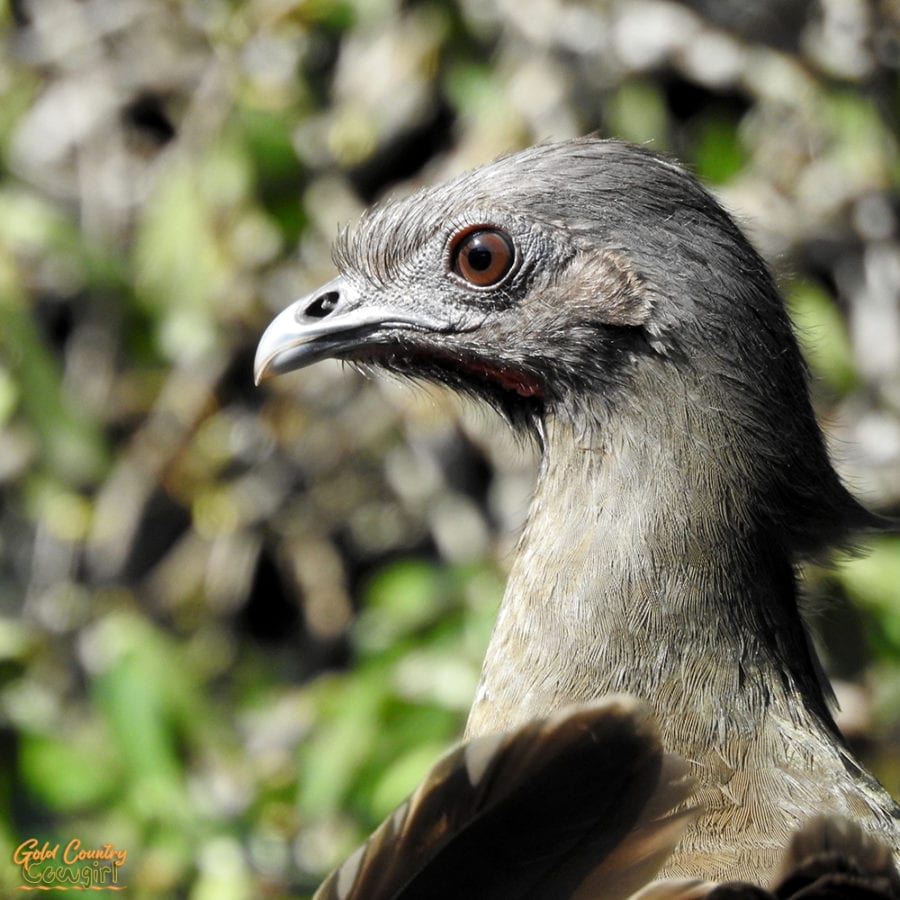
(608, 284)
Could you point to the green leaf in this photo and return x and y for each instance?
(718, 154)
(400, 778)
(822, 332)
(268, 139)
(398, 601)
(637, 112)
(72, 445)
(179, 264)
(70, 772)
(872, 580)
(143, 690)
(331, 760)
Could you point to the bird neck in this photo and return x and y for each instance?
(644, 569)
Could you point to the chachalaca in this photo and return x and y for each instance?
(599, 297)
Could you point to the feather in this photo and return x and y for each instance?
(675, 889)
(555, 808)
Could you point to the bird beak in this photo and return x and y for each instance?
(329, 322)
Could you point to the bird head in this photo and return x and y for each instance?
(540, 279)
(502, 283)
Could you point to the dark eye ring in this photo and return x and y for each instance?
(481, 255)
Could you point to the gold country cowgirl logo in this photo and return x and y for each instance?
(45, 866)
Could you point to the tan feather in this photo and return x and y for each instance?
(829, 858)
(675, 889)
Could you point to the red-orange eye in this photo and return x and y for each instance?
(483, 256)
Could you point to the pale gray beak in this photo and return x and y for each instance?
(329, 322)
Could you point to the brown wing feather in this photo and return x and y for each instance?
(832, 857)
(551, 809)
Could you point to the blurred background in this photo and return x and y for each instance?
(238, 624)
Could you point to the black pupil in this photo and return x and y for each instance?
(479, 257)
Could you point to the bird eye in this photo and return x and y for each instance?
(482, 256)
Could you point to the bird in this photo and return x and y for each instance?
(600, 298)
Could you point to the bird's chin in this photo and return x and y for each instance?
(518, 396)
(500, 376)
(475, 374)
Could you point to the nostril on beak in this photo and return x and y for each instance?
(322, 306)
